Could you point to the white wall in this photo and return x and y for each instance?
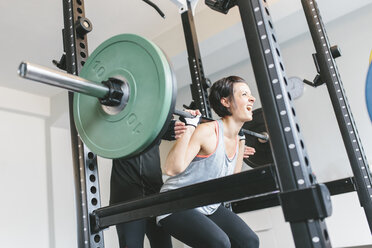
(62, 184)
(23, 183)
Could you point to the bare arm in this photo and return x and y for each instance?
(239, 159)
(186, 148)
(244, 152)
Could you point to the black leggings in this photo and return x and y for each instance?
(131, 234)
(221, 229)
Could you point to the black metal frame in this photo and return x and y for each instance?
(271, 199)
(84, 162)
(289, 153)
(292, 164)
(199, 83)
(329, 74)
(247, 184)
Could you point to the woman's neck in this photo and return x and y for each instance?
(232, 127)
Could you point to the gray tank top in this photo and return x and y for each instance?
(204, 168)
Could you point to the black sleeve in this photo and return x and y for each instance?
(169, 134)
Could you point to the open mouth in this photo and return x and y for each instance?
(249, 108)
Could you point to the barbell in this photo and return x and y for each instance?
(136, 91)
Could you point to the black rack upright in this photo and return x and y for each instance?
(85, 168)
(329, 74)
(199, 83)
(292, 163)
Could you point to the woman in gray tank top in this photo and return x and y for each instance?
(208, 151)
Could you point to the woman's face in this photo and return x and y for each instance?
(242, 104)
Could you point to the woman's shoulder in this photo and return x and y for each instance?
(206, 128)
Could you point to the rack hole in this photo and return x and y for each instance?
(289, 96)
(311, 178)
(92, 178)
(302, 144)
(83, 54)
(270, 24)
(93, 190)
(297, 127)
(293, 112)
(82, 62)
(82, 45)
(277, 52)
(97, 238)
(285, 80)
(91, 167)
(326, 234)
(274, 38)
(94, 201)
(79, 10)
(267, 11)
(90, 155)
(79, 2)
(281, 66)
(306, 161)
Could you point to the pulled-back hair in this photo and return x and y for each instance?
(223, 88)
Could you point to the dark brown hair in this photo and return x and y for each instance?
(223, 88)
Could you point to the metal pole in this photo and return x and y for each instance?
(289, 151)
(62, 80)
(198, 90)
(330, 75)
(85, 166)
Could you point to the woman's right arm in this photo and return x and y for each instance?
(185, 149)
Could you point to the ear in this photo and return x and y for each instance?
(225, 102)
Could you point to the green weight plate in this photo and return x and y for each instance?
(114, 132)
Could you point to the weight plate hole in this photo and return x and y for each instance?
(114, 110)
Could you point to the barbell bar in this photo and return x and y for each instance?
(62, 80)
(264, 137)
(136, 89)
(80, 85)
